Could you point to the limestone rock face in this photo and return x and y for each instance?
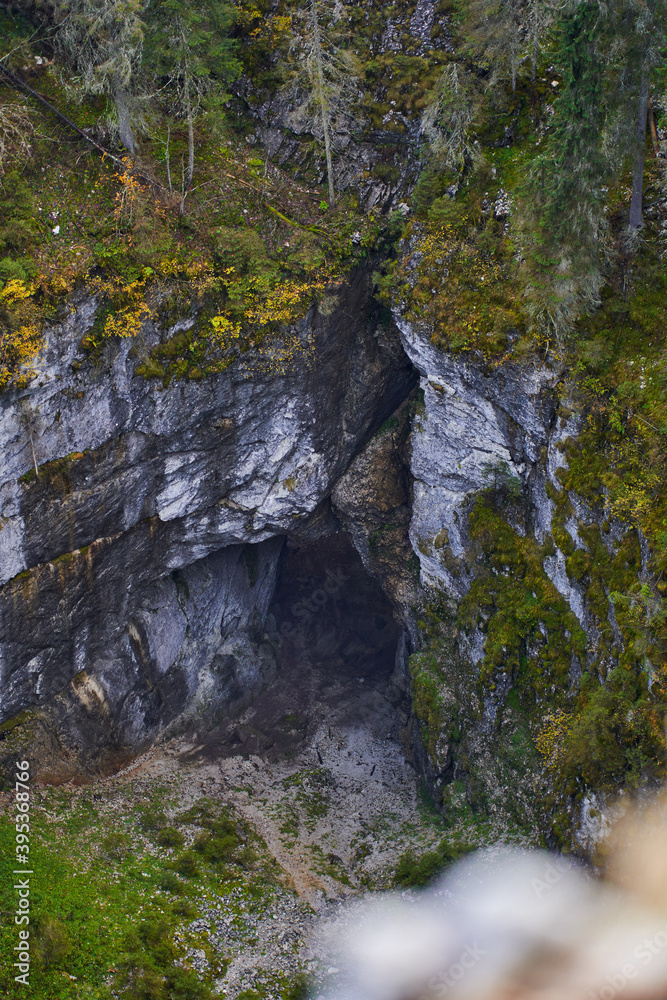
(111, 554)
(472, 423)
(475, 422)
(373, 500)
(145, 561)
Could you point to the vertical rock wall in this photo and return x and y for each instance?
(125, 555)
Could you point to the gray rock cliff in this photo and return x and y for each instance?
(141, 558)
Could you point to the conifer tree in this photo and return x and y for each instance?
(506, 34)
(98, 44)
(495, 35)
(188, 45)
(640, 33)
(538, 17)
(326, 76)
(447, 122)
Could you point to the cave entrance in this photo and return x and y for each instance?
(341, 669)
(332, 613)
(318, 761)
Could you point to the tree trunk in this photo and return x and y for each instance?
(167, 156)
(327, 152)
(123, 110)
(321, 96)
(652, 129)
(191, 135)
(534, 52)
(640, 152)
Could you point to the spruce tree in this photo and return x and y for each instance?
(325, 76)
(449, 117)
(506, 35)
(495, 36)
(538, 16)
(98, 44)
(189, 49)
(640, 32)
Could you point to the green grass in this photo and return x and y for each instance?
(108, 916)
(93, 904)
(417, 871)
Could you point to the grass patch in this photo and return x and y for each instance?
(418, 870)
(108, 918)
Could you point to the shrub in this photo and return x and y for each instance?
(204, 812)
(617, 736)
(22, 270)
(115, 845)
(154, 937)
(243, 249)
(151, 820)
(414, 871)
(432, 184)
(16, 211)
(16, 129)
(142, 982)
(298, 988)
(246, 857)
(417, 871)
(168, 882)
(51, 942)
(216, 848)
(153, 932)
(169, 836)
(183, 984)
(187, 865)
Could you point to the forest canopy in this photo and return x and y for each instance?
(524, 135)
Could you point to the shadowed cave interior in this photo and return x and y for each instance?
(341, 657)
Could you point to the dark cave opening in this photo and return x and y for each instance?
(340, 655)
(330, 611)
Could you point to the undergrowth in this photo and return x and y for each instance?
(111, 909)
